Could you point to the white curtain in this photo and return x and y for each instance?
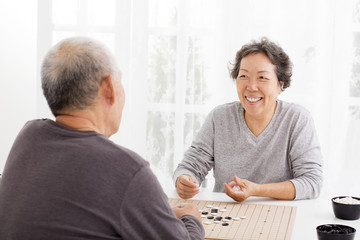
(174, 55)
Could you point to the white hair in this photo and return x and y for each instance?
(72, 71)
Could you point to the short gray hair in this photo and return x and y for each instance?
(72, 71)
(277, 56)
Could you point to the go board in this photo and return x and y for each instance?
(248, 221)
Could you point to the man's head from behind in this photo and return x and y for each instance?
(73, 73)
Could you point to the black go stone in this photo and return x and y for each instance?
(225, 224)
(229, 218)
(214, 210)
(204, 213)
(336, 229)
(210, 217)
(218, 218)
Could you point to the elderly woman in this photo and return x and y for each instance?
(260, 146)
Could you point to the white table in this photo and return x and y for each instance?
(309, 215)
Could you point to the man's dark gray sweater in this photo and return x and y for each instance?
(60, 183)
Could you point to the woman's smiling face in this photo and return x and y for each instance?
(258, 86)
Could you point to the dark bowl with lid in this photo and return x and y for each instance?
(335, 232)
(346, 211)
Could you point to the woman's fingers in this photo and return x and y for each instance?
(187, 186)
(236, 195)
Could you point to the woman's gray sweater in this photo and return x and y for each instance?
(288, 149)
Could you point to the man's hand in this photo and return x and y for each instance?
(187, 209)
(187, 186)
(247, 189)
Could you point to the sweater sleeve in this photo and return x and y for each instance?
(193, 225)
(305, 158)
(146, 214)
(199, 158)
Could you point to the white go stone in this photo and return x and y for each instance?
(207, 223)
(223, 210)
(347, 200)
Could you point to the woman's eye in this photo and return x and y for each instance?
(263, 78)
(242, 76)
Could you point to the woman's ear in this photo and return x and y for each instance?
(281, 84)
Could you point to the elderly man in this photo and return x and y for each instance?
(65, 179)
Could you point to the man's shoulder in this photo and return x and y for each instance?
(115, 156)
(118, 151)
(96, 147)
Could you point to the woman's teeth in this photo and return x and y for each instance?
(253, 99)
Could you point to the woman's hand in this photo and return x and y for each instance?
(281, 190)
(247, 189)
(187, 186)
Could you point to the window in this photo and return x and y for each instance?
(174, 56)
(352, 151)
(180, 44)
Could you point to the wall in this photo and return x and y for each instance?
(18, 26)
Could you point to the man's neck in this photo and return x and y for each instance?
(78, 121)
